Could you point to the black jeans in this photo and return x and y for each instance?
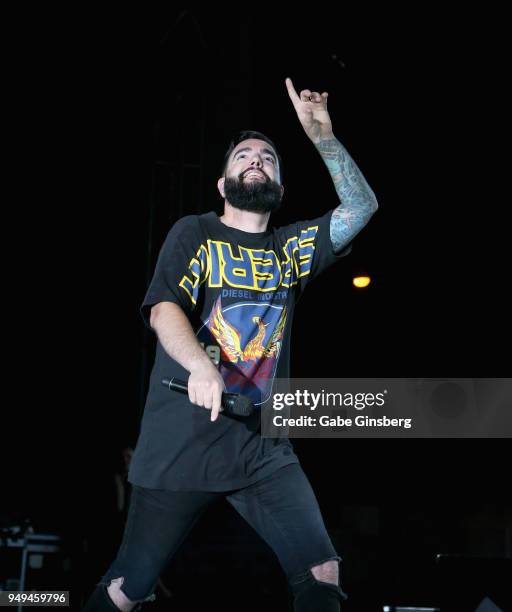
(282, 508)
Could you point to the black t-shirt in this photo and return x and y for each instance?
(239, 291)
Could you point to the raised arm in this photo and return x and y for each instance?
(205, 384)
(357, 200)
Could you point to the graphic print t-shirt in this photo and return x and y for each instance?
(239, 291)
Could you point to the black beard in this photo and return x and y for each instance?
(254, 196)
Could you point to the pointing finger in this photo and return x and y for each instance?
(291, 92)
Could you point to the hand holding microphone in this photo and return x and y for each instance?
(207, 391)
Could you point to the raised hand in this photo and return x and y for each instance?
(311, 108)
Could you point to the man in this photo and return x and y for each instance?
(221, 303)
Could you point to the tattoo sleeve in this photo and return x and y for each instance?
(357, 200)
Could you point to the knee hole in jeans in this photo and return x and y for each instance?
(326, 572)
(120, 597)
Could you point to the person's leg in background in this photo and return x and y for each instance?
(157, 524)
(284, 511)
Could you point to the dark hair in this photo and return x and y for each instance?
(245, 135)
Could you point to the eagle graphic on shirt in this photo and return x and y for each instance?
(249, 337)
(229, 338)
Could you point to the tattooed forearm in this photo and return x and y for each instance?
(357, 200)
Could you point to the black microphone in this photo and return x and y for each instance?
(234, 404)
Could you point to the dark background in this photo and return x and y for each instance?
(125, 123)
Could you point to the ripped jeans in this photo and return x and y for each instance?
(282, 508)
